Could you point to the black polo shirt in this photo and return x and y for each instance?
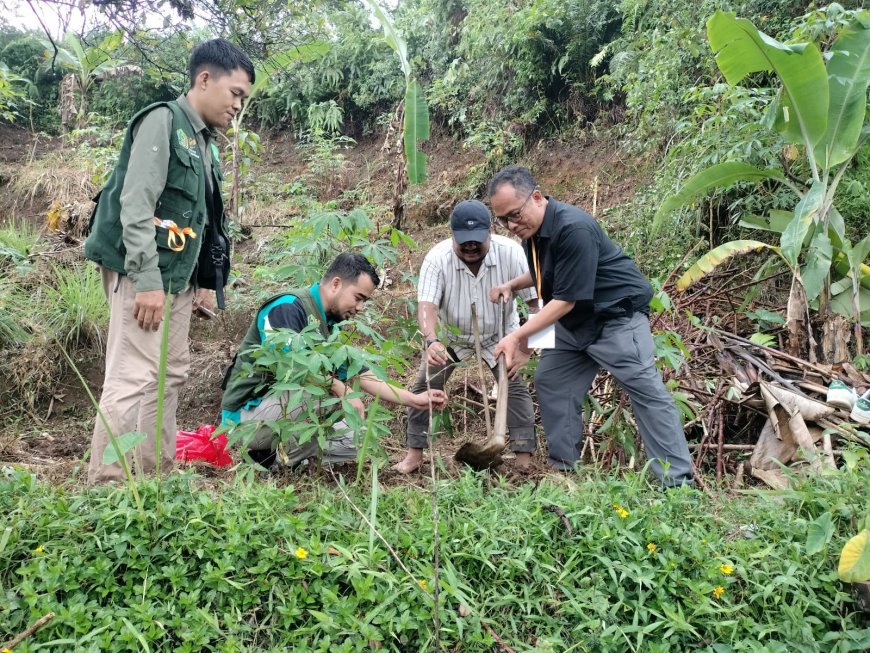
(580, 264)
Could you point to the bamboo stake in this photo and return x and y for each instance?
(720, 459)
(478, 349)
(435, 540)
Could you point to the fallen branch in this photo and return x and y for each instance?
(781, 354)
(505, 647)
(552, 507)
(39, 623)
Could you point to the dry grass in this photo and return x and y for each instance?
(34, 369)
(59, 186)
(54, 177)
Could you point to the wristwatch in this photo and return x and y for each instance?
(429, 342)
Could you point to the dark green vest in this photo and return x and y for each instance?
(183, 201)
(239, 389)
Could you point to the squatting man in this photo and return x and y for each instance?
(347, 285)
(457, 272)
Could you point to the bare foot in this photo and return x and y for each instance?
(523, 461)
(412, 462)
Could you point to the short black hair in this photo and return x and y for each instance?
(519, 177)
(219, 57)
(348, 266)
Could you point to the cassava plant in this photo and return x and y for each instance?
(301, 367)
(820, 111)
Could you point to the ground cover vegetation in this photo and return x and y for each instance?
(602, 561)
(585, 565)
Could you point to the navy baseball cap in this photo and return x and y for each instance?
(470, 222)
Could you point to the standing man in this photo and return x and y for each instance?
(598, 301)
(457, 272)
(158, 234)
(347, 285)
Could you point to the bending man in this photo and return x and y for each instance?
(598, 301)
(457, 272)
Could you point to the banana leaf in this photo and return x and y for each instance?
(718, 176)
(741, 49)
(716, 257)
(805, 213)
(416, 130)
(848, 76)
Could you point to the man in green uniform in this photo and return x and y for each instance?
(347, 285)
(157, 235)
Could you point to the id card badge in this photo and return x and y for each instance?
(543, 339)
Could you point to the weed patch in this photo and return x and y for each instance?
(258, 567)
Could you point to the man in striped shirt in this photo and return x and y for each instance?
(455, 274)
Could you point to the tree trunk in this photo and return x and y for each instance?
(400, 184)
(67, 102)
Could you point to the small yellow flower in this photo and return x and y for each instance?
(622, 512)
(651, 547)
(301, 553)
(726, 569)
(422, 583)
(719, 591)
(6, 650)
(39, 549)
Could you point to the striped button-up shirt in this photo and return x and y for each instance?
(448, 283)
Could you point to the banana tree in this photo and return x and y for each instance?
(87, 64)
(819, 107)
(413, 114)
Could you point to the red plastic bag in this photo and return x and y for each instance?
(202, 446)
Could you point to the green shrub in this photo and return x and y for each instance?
(256, 568)
(18, 241)
(12, 309)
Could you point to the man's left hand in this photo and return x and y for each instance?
(421, 400)
(203, 303)
(509, 346)
(520, 359)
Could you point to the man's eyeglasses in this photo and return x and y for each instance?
(515, 215)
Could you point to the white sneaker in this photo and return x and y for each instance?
(841, 395)
(861, 411)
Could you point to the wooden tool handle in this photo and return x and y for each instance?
(500, 426)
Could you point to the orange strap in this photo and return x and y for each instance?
(175, 239)
(536, 263)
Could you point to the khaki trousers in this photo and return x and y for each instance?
(129, 399)
(338, 448)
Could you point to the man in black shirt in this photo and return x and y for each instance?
(598, 301)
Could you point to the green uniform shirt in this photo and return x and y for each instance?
(143, 184)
